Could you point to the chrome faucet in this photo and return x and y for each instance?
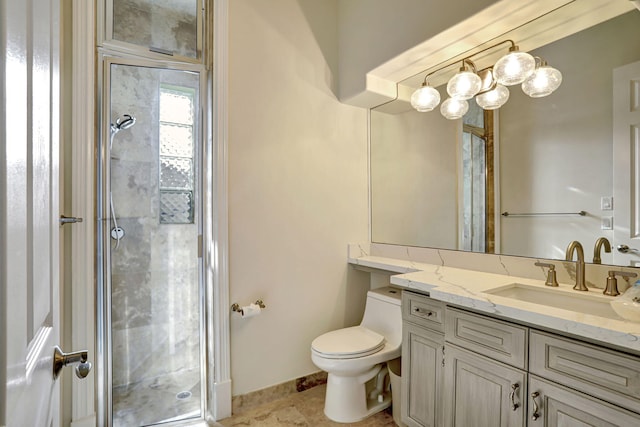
(575, 246)
(602, 241)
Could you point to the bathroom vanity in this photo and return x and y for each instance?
(474, 355)
(463, 368)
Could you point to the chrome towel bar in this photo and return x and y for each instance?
(581, 213)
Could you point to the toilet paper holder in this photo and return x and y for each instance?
(236, 307)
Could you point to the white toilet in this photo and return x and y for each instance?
(355, 357)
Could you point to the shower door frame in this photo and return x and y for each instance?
(103, 293)
(87, 28)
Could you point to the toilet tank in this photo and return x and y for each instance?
(382, 313)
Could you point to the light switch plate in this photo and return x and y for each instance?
(606, 203)
(607, 223)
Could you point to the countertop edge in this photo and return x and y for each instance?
(464, 288)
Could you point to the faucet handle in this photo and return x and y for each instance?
(612, 282)
(551, 274)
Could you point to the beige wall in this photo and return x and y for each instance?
(297, 188)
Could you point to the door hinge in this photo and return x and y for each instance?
(199, 245)
(443, 356)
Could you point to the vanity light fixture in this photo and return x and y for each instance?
(466, 84)
(514, 67)
(543, 81)
(426, 98)
(454, 108)
(494, 98)
(488, 85)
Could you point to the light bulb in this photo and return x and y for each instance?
(454, 108)
(425, 99)
(542, 82)
(464, 85)
(494, 98)
(514, 68)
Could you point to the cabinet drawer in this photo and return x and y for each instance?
(603, 373)
(423, 311)
(493, 338)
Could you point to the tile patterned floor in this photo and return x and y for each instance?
(300, 409)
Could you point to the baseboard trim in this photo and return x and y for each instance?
(222, 400)
(89, 421)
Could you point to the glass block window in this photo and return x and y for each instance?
(177, 112)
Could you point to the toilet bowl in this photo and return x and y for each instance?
(355, 359)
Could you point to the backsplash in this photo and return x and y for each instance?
(595, 274)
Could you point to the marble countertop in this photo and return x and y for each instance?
(467, 288)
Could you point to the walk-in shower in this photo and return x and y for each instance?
(152, 290)
(151, 269)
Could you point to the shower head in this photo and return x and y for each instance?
(122, 123)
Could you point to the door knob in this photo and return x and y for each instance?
(625, 249)
(60, 360)
(69, 220)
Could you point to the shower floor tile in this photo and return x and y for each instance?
(160, 399)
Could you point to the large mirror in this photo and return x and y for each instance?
(552, 159)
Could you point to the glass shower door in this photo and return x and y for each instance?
(152, 197)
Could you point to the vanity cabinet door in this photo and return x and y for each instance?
(422, 355)
(481, 392)
(551, 404)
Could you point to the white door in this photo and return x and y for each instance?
(29, 230)
(626, 163)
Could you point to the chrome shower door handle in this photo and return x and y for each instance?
(61, 359)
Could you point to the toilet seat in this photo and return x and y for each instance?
(348, 343)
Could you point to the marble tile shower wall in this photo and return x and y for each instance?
(163, 24)
(154, 271)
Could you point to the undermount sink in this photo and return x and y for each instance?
(592, 303)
